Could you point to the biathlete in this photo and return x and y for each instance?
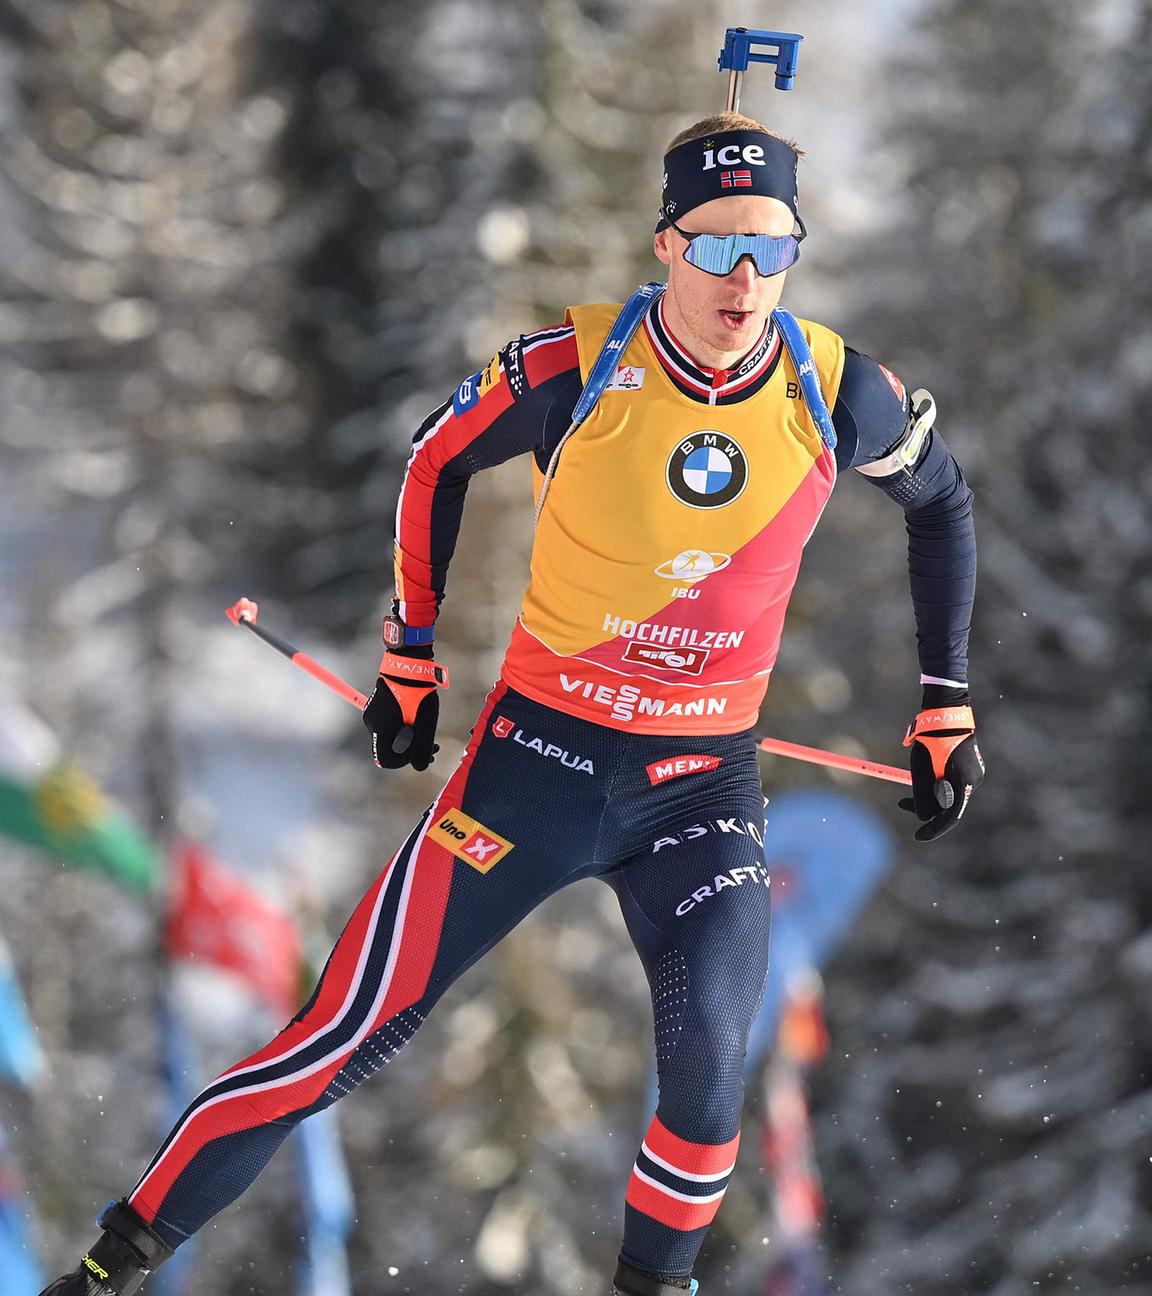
(617, 742)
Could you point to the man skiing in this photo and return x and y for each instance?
(617, 742)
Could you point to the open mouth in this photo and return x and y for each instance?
(735, 318)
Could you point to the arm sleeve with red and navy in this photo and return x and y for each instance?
(521, 403)
(870, 416)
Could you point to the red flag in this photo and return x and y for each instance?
(217, 918)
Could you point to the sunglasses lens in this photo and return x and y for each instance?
(720, 254)
(776, 254)
(711, 254)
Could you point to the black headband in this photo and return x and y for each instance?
(724, 165)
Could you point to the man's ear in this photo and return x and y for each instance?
(661, 245)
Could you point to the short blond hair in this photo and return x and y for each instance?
(727, 121)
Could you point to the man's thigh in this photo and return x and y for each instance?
(519, 818)
(697, 903)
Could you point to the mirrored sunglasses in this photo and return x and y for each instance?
(720, 254)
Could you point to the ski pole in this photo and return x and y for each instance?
(245, 610)
(852, 764)
(244, 613)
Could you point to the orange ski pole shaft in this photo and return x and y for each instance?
(852, 764)
(244, 613)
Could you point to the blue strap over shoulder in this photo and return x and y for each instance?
(805, 367)
(620, 334)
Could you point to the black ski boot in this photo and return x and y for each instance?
(119, 1262)
(631, 1282)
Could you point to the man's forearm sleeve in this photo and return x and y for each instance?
(942, 564)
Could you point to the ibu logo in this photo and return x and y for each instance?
(707, 470)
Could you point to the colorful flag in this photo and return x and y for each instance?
(329, 1209)
(22, 1275)
(220, 919)
(50, 805)
(20, 1057)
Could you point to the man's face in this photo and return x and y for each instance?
(719, 319)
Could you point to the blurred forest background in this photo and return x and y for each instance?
(244, 246)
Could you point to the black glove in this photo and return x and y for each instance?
(945, 762)
(404, 708)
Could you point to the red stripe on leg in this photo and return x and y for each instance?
(668, 1210)
(690, 1158)
(430, 875)
(431, 885)
(338, 977)
(228, 1115)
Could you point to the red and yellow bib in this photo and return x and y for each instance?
(669, 544)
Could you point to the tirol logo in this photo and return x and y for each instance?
(469, 840)
(689, 660)
(707, 470)
(502, 726)
(677, 766)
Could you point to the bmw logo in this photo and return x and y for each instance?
(707, 470)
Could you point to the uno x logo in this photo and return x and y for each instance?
(469, 840)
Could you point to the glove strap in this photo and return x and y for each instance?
(414, 670)
(419, 676)
(941, 730)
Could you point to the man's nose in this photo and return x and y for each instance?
(743, 275)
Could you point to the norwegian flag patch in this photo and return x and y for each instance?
(735, 179)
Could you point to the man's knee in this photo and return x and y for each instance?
(702, 1083)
